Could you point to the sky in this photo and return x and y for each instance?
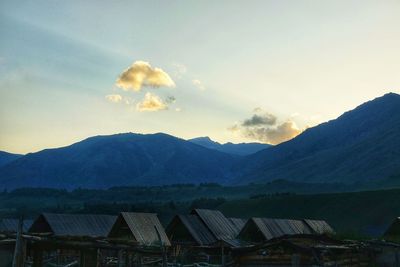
(237, 71)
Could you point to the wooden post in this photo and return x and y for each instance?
(18, 260)
(120, 252)
(222, 255)
(164, 254)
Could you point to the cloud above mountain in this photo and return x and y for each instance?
(264, 127)
(141, 74)
(257, 119)
(152, 102)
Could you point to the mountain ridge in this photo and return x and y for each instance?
(337, 150)
(121, 159)
(241, 149)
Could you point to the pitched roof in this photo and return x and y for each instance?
(73, 224)
(274, 228)
(11, 225)
(238, 222)
(221, 227)
(197, 229)
(319, 226)
(145, 228)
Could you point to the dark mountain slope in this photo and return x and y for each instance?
(122, 159)
(362, 145)
(6, 157)
(241, 149)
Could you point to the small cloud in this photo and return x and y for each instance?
(114, 98)
(198, 84)
(178, 109)
(257, 110)
(151, 102)
(142, 74)
(264, 128)
(179, 70)
(265, 119)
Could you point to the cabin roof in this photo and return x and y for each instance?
(319, 226)
(145, 227)
(238, 222)
(197, 229)
(11, 225)
(73, 224)
(274, 228)
(221, 227)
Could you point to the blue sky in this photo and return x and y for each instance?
(301, 62)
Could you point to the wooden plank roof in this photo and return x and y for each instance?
(11, 225)
(87, 225)
(145, 227)
(319, 226)
(197, 229)
(238, 222)
(274, 228)
(221, 227)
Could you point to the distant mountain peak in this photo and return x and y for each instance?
(241, 149)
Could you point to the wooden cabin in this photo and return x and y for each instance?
(145, 233)
(144, 229)
(393, 231)
(7, 245)
(70, 237)
(73, 225)
(203, 236)
(261, 230)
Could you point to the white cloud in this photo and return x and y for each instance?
(198, 84)
(178, 109)
(142, 74)
(114, 98)
(179, 70)
(151, 102)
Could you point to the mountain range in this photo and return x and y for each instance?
(241, 149)
(360, 146)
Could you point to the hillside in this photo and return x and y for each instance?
(362, 145)
(122, 159)
(351, 214)
(241, 149)
(359, 213)
(6, 157)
